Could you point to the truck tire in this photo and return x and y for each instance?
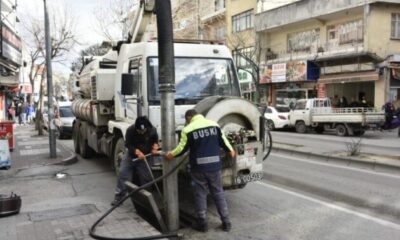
(230, 113)
(119, 154)
(300, 127)
(84, 149)
(319, 129)
(75, 137)
(341, 130)
(359, 132)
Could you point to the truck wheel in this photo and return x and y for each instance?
(270, 125)
(359, 133)
(119, 154)
(75, 137)
(341, 130)
(300, 127)
(319, 129)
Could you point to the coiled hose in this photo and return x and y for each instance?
(164, 235)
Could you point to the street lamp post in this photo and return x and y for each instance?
(51, 128)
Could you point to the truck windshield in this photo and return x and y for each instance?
(195, 79)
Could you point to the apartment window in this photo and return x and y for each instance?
(242, 21)
(395, 32)
(220, 33)
(219, 4)
(241, 61)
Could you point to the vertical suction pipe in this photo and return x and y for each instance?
(167, 94)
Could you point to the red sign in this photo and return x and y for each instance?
(6, 132)
(321, 90)
(26, 88)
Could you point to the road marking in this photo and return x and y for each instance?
(336, 166)
(336, 207)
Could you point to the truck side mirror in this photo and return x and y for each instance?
(128, 84)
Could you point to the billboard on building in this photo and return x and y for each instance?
(293, 71)
(11, 46)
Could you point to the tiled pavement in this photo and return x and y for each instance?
(59, 209)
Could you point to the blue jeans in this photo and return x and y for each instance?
(204, 183)
(128, 170)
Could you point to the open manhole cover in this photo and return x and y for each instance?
(83, 209)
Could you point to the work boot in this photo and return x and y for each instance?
(226, 226)
(200, 225)
(117, 198)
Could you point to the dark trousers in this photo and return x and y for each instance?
(204, 183)
(127, 169)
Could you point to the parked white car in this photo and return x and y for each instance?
(277, 117)
(63, 119)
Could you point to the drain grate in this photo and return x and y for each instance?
(83, 209)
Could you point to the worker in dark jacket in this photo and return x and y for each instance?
(140, 139)
(204, 139)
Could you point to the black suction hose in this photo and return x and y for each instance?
(166, 235)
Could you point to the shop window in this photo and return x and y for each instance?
(395, 29)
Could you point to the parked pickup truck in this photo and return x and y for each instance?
(318, 114)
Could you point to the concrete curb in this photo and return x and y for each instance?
(310, 155)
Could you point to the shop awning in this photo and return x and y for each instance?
(10, 81)
(349, 77)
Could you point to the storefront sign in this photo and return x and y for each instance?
(11, 45)
(394, 75)
(26, 88)
(265, 73)
(321, 90)
(349, 77)
(245, 76)
(278, 73)
(293, 71)
(296, 71)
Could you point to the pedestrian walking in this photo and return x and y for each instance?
(204, 139)
(10, 112)
(20, 113)
(140, 139)
(29, 113)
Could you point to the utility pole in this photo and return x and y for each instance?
(167, 94)
(52, 139)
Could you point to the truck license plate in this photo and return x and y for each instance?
(255, 176)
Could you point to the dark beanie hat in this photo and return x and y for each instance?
(142, 123)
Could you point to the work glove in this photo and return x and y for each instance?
(154, 149)
(139, 154)
(169, 156)
(232, 154)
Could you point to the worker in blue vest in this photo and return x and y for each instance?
(204, 139)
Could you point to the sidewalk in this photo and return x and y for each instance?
(61, 208)
(377, 148)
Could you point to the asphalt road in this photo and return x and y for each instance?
(297, 199)
(302, 199)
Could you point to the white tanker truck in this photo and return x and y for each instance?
(117, 88)
(205, 79)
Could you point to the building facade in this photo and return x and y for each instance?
(322, 48)
(10, 54)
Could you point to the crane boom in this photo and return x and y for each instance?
(141, 20)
